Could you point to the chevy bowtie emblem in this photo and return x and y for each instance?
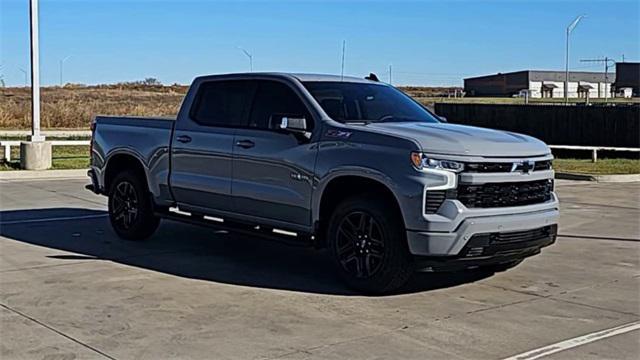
(526, 167)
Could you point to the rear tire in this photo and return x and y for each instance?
(368, 243)
(131, 207)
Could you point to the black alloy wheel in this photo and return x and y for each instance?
(360, 244)
(125, 205)
(367, 238)
(131, 207)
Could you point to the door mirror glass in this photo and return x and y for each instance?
(293, 123)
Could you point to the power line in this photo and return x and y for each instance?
(606, 62)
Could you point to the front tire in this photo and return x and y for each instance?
(368, 243)
(130, 207)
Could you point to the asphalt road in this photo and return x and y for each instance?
(69, 288)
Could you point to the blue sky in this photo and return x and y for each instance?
(428, 42)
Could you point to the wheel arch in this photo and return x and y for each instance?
(119, 162)
(343, 185)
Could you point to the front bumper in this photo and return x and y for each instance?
(449, 234)
(488, 249)
(95, 185)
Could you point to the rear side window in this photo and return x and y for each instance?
(274, 100)
(223, 103)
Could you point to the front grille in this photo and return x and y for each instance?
(519, 236)
(505, 194)
(509, 243)
(503, 167)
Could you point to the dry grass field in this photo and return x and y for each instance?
(74, 107)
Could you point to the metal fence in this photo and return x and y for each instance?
(614, 126)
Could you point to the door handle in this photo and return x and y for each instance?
(184, 138)
(245, 144)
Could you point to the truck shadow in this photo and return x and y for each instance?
(194, 252)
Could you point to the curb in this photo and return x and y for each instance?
(43, 174)
(599, 178)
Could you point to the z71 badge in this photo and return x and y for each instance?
(335, 133)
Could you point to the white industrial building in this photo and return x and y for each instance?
(541, 84)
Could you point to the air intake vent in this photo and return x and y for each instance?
(435, 198)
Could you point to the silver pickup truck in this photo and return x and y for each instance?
(348, 164)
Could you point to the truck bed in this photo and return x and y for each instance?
(146, 138)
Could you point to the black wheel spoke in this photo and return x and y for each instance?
(360, 244)
(125, 205)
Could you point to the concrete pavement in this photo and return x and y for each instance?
(69, 288)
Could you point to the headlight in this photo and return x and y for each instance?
(420, 161)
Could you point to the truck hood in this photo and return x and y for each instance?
(445, 138)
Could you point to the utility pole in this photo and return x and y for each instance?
(570, 28)
(62, 61)
(606, 62)
(390, 76)
(344, 44)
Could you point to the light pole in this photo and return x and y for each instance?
(249, 56)
(570, 28)
(35, 72)
(26, 77)
(35, 154)
(62, 61)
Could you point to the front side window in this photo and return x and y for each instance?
(273, 101)
(362, 102)
(223, 103)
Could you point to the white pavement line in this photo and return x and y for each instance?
(577, 341)
(64, 218)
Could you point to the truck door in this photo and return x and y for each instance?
(202, 145)
(272, 169)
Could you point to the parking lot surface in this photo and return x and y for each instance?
(69, 288)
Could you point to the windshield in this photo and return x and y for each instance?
(361, 102)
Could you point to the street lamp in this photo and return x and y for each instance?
(26, 77)
(570, 28)
(249, 56)
(62, 61)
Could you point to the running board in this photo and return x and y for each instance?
(282, 236)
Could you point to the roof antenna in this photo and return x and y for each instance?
(372, 77)
(344, 43)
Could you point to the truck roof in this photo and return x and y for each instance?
(300, 77)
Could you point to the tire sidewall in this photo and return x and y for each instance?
(145, 222)
(396, 260)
